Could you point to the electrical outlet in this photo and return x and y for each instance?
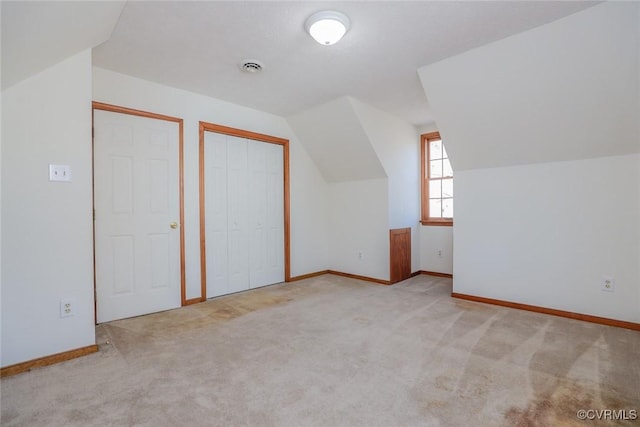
(439, 253)
(60, 173)
(608, 284)
(67, 308)
(360, 255)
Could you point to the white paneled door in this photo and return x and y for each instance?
(136, 201)
(244, 213)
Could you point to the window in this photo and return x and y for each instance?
(437, 181)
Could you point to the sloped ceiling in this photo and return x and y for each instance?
(38, 34)
(334, 137)
(567, 90)
(197, 46)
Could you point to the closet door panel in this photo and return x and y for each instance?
(267, 261)
(216, 208)
(238, 215)
(244, 207)
(275, 213)
(258, 212)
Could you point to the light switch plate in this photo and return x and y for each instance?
(60, 173)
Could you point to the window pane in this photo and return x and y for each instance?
(435, 191)
(447, 208)
(446, 168)
(438, 191)
(447, 188)
(435, 149)
(436, 168)
(435, 208)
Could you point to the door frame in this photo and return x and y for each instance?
(225, 130)
(124, 110)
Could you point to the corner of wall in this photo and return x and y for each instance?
(47, 226)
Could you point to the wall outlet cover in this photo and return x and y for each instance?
(60, 173)
(608, 284)
(67, 308)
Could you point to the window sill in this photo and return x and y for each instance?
(443, 223)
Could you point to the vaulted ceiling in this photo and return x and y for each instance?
(540, 96)
(197, 46)
(38, 34)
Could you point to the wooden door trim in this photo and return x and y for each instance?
(130, 111)
(241, 133)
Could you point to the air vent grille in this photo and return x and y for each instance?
(251, 66)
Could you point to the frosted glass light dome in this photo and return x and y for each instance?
(327, 27)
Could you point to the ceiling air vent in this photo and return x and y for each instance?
(251, 66)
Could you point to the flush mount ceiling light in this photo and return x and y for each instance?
(327, 27)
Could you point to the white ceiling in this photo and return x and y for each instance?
(197, 46)
(540, 97)
(38, 34)
(337, 141)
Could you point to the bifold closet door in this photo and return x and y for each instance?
(244, 213)
(266, 200)
(226, 208)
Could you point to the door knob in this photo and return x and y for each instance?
(173, 225)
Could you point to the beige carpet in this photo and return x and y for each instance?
(332, 351)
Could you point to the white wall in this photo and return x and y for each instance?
(359, 222)
(359, 148)
(396, 144)
(309, 214)
(428, 128)
(436, 246)
(543, 131)
(0, 190)
(309, 221)
(546, 234)
(47, 242)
